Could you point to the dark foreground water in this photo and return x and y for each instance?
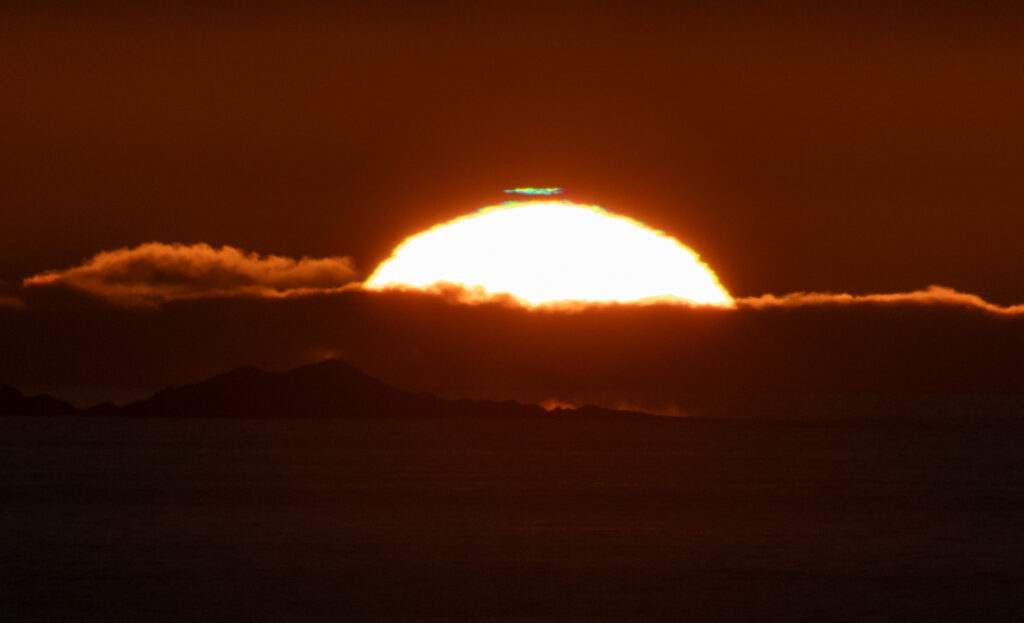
(207, 520)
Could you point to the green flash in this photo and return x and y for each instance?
(534, 191)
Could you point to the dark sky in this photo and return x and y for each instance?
(856, 148)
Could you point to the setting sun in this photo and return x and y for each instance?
(545, 251)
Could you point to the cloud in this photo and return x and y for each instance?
(7, 300)
(931, 296)
(153, 273)
(701, 361)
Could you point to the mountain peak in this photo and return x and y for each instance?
(326, 389)
(13, 402)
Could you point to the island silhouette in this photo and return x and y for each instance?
(332, 388)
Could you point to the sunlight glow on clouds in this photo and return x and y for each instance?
(539, 253)
(155, 272)
(933, 295)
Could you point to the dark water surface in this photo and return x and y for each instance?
(561, 520)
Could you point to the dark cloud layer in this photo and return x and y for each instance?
(155, 272)
(222, 307)
(656, 356)
(664, 353)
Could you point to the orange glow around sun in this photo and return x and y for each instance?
(546, 252)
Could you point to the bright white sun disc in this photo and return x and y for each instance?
(546, 251)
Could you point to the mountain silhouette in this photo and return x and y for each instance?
(13, 402)
(328, 389)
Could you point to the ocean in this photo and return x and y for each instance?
(567, 519)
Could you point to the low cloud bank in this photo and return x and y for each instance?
(701, 360)
(7, 300)
(933, 295)
(153, 273)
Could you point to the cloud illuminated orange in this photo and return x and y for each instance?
(933, 295)
(155, 272)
